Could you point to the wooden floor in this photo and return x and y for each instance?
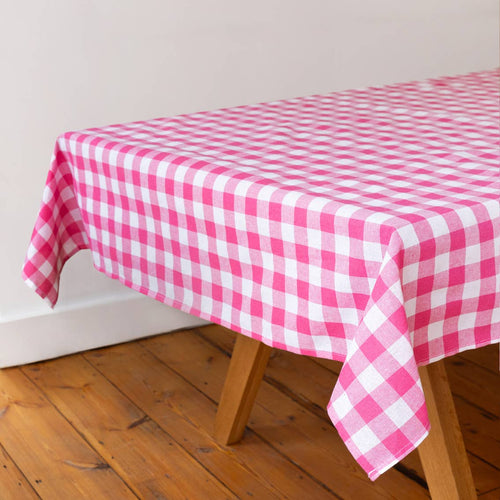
(135, 421)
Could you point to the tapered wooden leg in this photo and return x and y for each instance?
(443, 453)
(245, 373)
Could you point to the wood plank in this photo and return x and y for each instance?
(110, 422)
(297, 433)
(14, 486)
(56, 461)
(251, 462)
(329, 364)
(491, 495)
(475, 385)
(486, 357)
(248, 363)
(475, 391)
(252, 469)
(481, 431)
(443, 453)
(287, 371)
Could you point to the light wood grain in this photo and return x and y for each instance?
(252, 469)
(109, 421)
(57, 462)
(169, 387)
(443, 453)
(13, 484)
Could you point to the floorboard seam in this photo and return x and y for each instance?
(316, 480)
(45, 395)
(2, 447)
(159, 426)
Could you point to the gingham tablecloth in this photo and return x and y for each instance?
(362, 226)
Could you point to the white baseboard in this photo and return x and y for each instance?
(60, 332)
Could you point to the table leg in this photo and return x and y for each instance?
(248, 362)
(443, 453)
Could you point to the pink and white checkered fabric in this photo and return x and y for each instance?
(362, 226)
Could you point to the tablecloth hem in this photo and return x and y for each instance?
(35, 287)
(459, 351)
(375, 473)
(208, 317)
(52, 296)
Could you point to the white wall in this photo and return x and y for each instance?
(69, 64)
